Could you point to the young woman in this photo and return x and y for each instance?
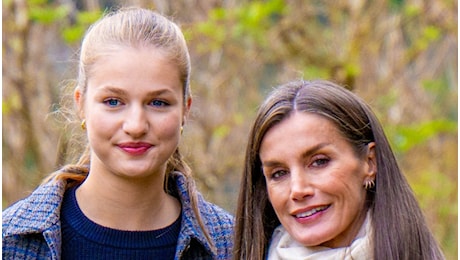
(321, 182)
(131, 196)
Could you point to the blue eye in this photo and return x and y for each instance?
(158, 103)
(112, 102)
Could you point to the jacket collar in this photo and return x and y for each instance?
(190, 228)
(39, 212)
(44, 205)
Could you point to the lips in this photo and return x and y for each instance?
(311, 212)
(135, 148)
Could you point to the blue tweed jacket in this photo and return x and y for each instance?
(32, 229)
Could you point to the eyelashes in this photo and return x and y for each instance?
(320, 162)
(112, 102)
(278, 174)
(115, 102)
(317, 162)
(159, 103)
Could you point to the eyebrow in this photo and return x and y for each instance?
(305, 154)
(120, 91)
(113, 90)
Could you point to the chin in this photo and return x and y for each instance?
(308, 239)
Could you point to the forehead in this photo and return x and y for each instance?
(300, 128)
(130, 61)
(149, 53)
(305, 122)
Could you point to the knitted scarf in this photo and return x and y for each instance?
(284, 247)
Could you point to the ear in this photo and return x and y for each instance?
(371, 161)
(79, 101)
(187, 106)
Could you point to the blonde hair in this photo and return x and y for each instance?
(134, 28)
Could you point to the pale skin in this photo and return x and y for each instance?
(134, 110)
(315, 180)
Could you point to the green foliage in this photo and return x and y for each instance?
(72, 34)
(214, 33)
(221, 131)
(12, 103)
(315, 72)
(396, 4)
(352, 69)
(411, 11)
(428, 196)
(42, 12)
(429, 34)
(46, 14)
(443, 92)
(256, 18)
(249, 22)
(431, 188)
(260, 43)
(407, 137)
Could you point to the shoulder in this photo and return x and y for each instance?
(36, 212)
(211, 213)
(220, 225)
(217, 221)
(214, 215)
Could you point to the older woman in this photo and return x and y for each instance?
(321, 182)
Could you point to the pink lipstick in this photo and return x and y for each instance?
(135, 148)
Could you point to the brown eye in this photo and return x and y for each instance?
(278, 174)
(320, 162)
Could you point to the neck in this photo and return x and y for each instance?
(127, 204)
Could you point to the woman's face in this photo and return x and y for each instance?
(134, 110)
(315, 180)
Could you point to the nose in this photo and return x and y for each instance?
(301, 186)
(136, 123)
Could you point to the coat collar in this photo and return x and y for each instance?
(38, 212)
(190, 228)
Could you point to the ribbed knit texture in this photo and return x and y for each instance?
(84, 239)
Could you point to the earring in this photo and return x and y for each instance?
(181, 129)
(369, 185)
(83, 124)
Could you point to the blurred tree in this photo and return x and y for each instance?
(29, 146)
(400, 56)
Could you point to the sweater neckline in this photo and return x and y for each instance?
(83, 226)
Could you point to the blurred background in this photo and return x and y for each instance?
(399, 55)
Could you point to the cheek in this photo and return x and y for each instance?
(347, 177)
(168, 128)
(350, 193)
(277, 195)
(101, 124)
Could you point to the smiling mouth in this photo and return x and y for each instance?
(311, 212)
(135, 148)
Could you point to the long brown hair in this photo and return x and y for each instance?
(400, 230)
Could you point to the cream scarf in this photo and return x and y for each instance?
(284, 247)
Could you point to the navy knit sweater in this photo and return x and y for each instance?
(84, 239)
